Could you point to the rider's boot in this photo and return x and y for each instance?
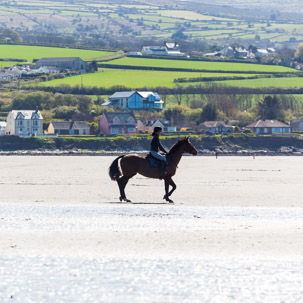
(162, 170)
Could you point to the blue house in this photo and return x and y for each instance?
(135, 100)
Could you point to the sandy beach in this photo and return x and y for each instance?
(234, 233)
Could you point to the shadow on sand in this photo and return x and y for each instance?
(140, 203)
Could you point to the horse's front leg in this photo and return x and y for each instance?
(167, 182)
(174, 186)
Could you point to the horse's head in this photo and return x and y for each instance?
(189, 148)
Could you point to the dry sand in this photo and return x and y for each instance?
(243, 216)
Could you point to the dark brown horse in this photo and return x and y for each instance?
(132, 164)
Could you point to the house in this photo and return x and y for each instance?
(118, 123)
(165, 125)
(263, 127)
(228, 51)
(296, 125)
(216, 127)
(135, 100)
(241, 53)
(72, 63)
(168, 49)
(262, 52)
(135, 54)
(69, 128)
(2, 128)
(24, 123)
(10, 74)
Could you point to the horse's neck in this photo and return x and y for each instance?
(176, 156)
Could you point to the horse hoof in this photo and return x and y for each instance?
(124, 199)
(168, 200)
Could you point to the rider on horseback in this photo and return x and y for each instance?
(154, 148)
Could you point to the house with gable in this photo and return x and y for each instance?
(267, 127)
(24, 123)
(69, 128)
(2, 128)
(296, 125)
(68, 63)
(167, 49)
(135, 100)
(216, 127)
(114, 123)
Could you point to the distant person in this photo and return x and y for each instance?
(154, 150)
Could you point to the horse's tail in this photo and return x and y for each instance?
(114, 170)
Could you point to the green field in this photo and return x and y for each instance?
(8, 63)
(36, 52)
(130, 78)
(203, 65)
(269, 82)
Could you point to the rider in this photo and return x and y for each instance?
(154, 148)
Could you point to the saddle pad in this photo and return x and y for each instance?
(154, 162)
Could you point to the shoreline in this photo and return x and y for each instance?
(206, 153)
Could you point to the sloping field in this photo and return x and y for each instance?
(203, 65)
(36, 52)
(269, 82)
(130, 78)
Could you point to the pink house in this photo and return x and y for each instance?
(118, 123)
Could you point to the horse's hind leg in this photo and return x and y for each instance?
(122, 184)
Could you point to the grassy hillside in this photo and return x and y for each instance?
(130, 78)
(203, 65)
(36, 52)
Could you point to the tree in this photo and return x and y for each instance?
(299, 53)
(269, 108)
(209, 113)
(179, 35)
(175, 114)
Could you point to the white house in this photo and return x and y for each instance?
(24, 123)
(2, 128)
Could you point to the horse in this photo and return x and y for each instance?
(132, 164)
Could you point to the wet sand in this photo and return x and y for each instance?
(232, 216)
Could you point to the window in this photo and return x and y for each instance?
(131, 129)
(115, 131)
(20, 122)
(277, 130)
(35, 123)
(116, 120)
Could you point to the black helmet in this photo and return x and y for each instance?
(157, 129)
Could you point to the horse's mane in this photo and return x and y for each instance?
(176, 146)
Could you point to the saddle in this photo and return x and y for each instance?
(154, 162)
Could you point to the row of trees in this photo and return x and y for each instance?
(190, 111)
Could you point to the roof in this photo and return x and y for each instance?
(127, 94)
(70, 125)
(61, 125)
(268, 123)
(80, 125)
(296, 123)
(61, 59)
(123, 116)
(171, 45)
(26, 113)
(118, 95)
(209, 124)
